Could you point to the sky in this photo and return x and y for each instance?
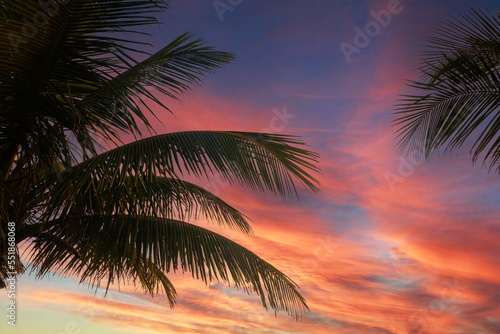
(387, 246)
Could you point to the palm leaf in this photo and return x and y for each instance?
(158, 197)
(460, 91)
(259, 161)
(170, 71)
(116, 247)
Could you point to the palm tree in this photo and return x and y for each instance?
(69, 79)
(458, 99)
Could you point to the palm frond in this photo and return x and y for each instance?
(116, 247)
(459, 91)
(170, 71)
(259, 161)
(158, 197)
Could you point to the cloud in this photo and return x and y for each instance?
(412, 256)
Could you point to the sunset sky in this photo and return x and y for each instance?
(386, 246)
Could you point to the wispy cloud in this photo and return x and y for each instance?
(417, 257)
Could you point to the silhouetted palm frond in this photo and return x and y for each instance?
(459, 90)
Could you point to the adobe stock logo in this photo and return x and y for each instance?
(372, 29)
(225, 6)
